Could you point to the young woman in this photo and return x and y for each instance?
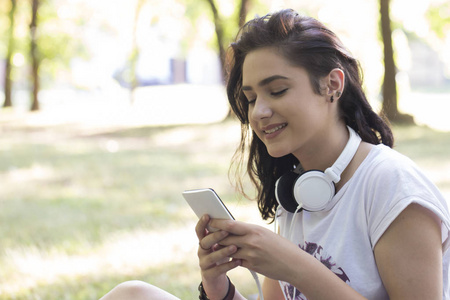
(383, 231)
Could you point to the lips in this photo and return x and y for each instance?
(272, 129)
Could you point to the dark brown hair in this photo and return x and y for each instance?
(306, 43)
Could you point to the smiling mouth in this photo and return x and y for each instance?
(275, 129)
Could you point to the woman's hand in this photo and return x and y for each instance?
(214, 260)
(258, 248)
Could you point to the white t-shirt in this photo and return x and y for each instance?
(344, 237)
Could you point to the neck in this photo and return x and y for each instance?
(323, 149)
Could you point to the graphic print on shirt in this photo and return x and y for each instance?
(318, 253)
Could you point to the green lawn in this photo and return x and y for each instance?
(82, 211)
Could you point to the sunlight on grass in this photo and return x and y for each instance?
(86, 207)
(126, 252)
(78, 218)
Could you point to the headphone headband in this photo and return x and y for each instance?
(314, 190)
(334, 172)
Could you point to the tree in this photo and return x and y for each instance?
(46, 53)
(219, 23)
(243, 12)
(438, 16)
(390, 102)
(35, 61)
(134, 56)
(131, 64)
(9, 54)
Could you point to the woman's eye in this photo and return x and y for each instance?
(279, 93)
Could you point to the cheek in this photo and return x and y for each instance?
(250, 119)
(250, 112)
(255, 131)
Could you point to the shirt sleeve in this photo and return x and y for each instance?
(397, 183)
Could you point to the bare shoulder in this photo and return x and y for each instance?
(409, 255)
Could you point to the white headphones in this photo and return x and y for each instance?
(313, 190)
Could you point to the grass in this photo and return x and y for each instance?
(82, 211)
(73, 203)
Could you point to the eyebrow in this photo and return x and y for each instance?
(264, 82)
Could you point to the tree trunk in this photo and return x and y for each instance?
(218, 24)
(34, 57)
(243, 11)
(389, 84)
(8, 67)
(135, 52)
(390, 102)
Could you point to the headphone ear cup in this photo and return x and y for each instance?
(283, 191)
(314, 190)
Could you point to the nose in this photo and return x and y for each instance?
(261, 109)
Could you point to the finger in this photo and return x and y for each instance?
(211, 261)
(201, 247)
(200, 228)
(231, 226)
(221, 269)
(238, 241)
(212, 239)
(216, 258)
(217, 247)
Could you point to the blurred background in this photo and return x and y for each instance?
(110, 109)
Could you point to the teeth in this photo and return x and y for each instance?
(274, 129)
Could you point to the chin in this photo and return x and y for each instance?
(277, 153)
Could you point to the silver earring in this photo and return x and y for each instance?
(338, 94)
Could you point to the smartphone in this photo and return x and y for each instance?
(207, 202)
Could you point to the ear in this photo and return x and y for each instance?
(335, 82)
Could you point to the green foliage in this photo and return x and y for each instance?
(5, 7)
(439, 17)
(59, 39)
(195, 9)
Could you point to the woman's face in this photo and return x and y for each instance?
(284, 111)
